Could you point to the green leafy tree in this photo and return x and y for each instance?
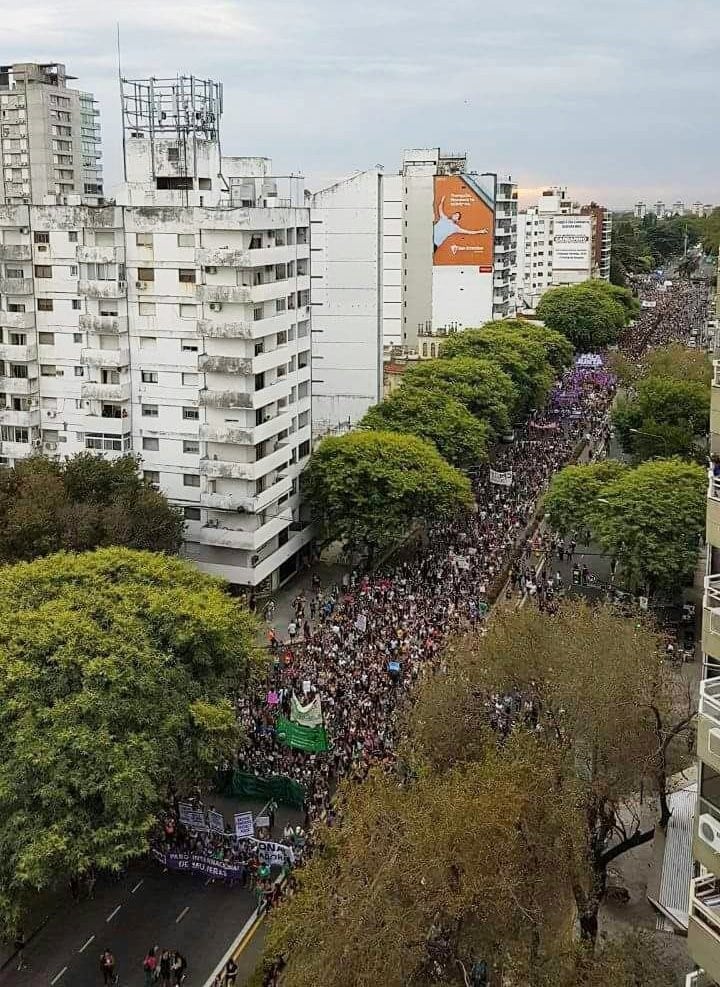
(117, 671)
(608, 711)
(679, 362)
(480, 384)
(460, 438)
(589, 318)
(366, 488)
(666, 416)
(82, 503)
(574, 490)
(524, 359)
(650, 518)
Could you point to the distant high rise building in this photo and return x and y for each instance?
(659, 209)
(49, 138)
(640, 210)
(678, 208)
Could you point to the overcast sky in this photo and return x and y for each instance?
(616, 99)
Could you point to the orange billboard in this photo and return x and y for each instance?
(463, 223)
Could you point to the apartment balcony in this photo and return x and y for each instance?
(282, 254)
(226, 330)
(711, 617)
(241, 502)
(26, 419)
(704, 928)
(17, 320)
(103, 323)
(18, 354)
(105, 358)
(19, 385)
(698, 978)
(226, 399)
(220, 293)
(16, 251)
(105, 392)
(103, 289)
(99, 255)
(223, 469)
(16, 286)
(715, 409)
(225, 364)
(708, 725)
(250, 541)
(270, 290)
(228, 434)
(222, 257)
(16, 450)
(713, 510)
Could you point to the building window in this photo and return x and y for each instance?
(189, 345)
(151, 445)
(191, 513)
(186, 239)
(46, 370)
(45, 304)
(186, 275)
(304, 449)
(46, 338)
(191, 414)
(103, 443)
(79, 372)
(72, 236)
(280, 304)
(190, 380)
(149, 376)
(41, 237)
(190, 447)
(149, 410)
(148, 342)
(144, 240)
(13, 433)
(77, 337)
(43, 271)
(152, 477)
(146, 274)
(146, 308)
(191, 480)
(75, 304)
(257, 313)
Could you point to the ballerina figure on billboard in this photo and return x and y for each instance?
(446, 226)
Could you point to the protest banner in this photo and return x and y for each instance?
(192, 818)
(501, 479)
(216, 821)
(243, 824)
(313, 739)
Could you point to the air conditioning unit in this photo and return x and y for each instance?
(714, 741)
(24, 230)
(51, 414)
(709, 831)
(42, 248)
(122, 285)
(216, 306)
(211, 269)
(37, 443)
(140, 285)
(51, 446)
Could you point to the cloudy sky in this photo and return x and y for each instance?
(616, 99)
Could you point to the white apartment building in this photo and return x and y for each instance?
(49, 138)
(175, 325)
(560, 243)
(379, 278)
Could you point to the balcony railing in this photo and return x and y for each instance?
(16, 286)
(105, 392)
(222, 257)
(219, 293)
(98, 255)
(225, 364)
(710, 699)
(103, 289)
(17, 320)
(226, 399)
(705, 903)
(103, 323)
(225, 330)
(15, 251)
(105, 358)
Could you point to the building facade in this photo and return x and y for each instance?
(49, 138)
(560, 243)
(398, 255)
(175, 325)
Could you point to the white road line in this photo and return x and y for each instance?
(138, 885)
(83, 948)
(57, 977)
(208, 881)
(113, 914)
(182, 914)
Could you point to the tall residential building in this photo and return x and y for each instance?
(660, 209)
(175, 325)
(640, 210)
(560, 243)
(678, 208)
(49, 138)
(397, 255)
(704, 918)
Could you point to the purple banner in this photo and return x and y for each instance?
(199, 863)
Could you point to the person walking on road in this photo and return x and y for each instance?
(20, 950)
(179, 966)
(231, 972)
(150, 965)
(107, 968)
(165, 968)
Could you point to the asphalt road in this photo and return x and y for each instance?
(147, 907)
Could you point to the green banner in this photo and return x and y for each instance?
(313, 739)
(284, 790)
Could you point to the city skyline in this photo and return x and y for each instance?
(544, 95)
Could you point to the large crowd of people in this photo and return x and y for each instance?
(361, 645)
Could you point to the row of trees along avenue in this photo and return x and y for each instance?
(471, 859)
(403, 463)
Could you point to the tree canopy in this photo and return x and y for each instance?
(460, 437)
(480, 384)
(639, 245)
(589, 316)
(680, 363)
(366, 488)
(664, 417)
(524, 359)
(47, 505)
(116, 673)
(650, 518)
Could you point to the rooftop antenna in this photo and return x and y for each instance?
(122, 107)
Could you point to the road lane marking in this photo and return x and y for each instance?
(139, 884)
(83, 948)
(209, 881)
(113, 914)
(57, 976)
(182, 914)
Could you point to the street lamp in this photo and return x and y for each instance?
(650, 435)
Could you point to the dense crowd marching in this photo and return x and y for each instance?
(361, 645)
